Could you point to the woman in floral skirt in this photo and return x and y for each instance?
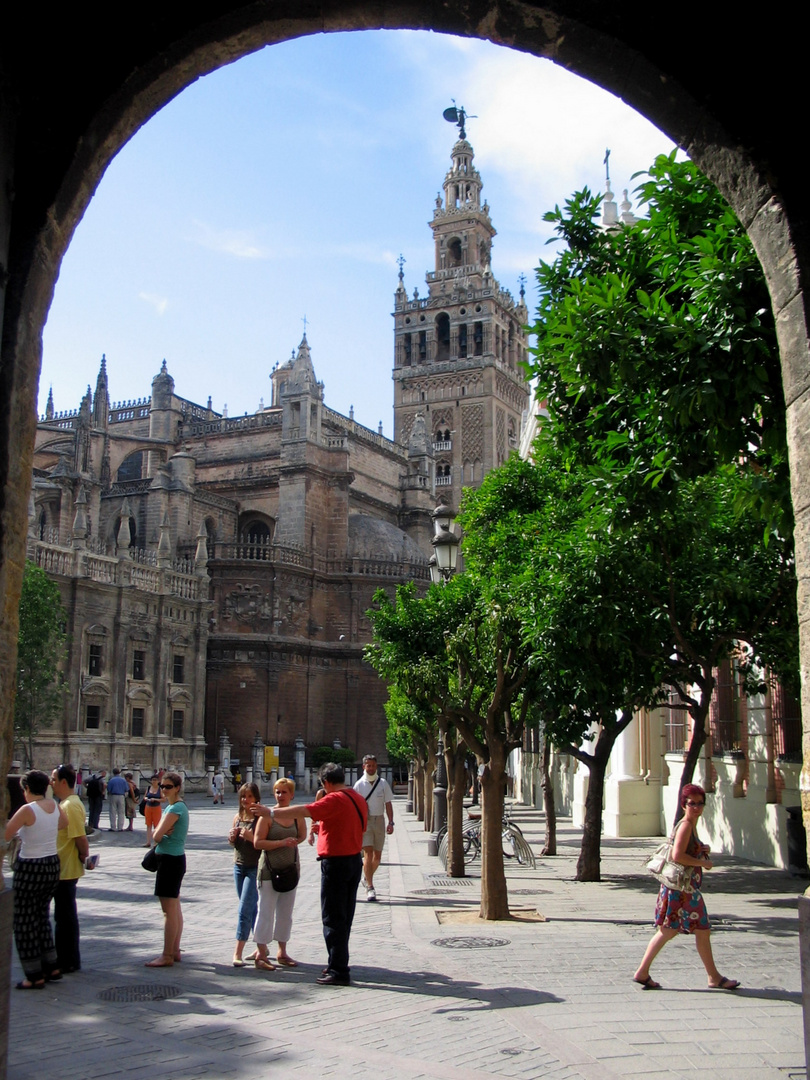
(685, 912)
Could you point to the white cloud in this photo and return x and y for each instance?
(159, 303)
(237, 242)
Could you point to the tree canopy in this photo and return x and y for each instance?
(40, 648)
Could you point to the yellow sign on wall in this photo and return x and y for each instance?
(270, 758)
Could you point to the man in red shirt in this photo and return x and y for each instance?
(342, 816)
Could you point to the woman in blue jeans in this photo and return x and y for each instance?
(245, 863)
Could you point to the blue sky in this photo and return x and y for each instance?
(287, 184)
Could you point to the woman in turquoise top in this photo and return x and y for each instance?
(170, 838)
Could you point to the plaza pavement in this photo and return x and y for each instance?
(547, 999)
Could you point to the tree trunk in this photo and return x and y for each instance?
(430, 772)
(419, 789)
(590, 857)
(456, 762)
(494, 897)
(699, 735)
(550, 846)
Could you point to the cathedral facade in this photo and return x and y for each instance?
(216, 571)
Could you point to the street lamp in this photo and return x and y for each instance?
(442, 567)
(445, 545)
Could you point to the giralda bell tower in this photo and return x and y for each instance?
(458, 350)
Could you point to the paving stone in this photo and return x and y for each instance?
(557, 1003)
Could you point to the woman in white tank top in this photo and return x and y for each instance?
(35, 880)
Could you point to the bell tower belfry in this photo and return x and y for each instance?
(458, 351)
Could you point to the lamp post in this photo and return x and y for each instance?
(442, 567)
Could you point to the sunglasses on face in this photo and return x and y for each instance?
(167, 787)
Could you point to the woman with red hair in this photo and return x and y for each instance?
(685, 912)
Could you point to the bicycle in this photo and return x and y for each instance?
(514, 844)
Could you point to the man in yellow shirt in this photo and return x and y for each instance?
(72, 848)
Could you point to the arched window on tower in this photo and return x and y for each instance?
(442, 336)
(478, 339)
(407, 350)
(443, 477)
(454, 253)
(442, 441)
(462, 340)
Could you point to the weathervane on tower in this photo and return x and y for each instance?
(457, 115)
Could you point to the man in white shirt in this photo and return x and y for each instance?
(377, 793)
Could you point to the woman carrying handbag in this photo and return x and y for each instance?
(679, 912)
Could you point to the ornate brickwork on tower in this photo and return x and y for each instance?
(458, 351)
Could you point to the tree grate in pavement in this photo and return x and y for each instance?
(430, 892)
(449, 882)
(139, 992)
(470, 942)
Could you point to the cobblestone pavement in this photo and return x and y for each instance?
(547, 999)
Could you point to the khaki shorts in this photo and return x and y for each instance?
(374, 836)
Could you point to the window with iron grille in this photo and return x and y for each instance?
(92, 716)
(676, 724)
(178, 716)
(725, 708)
(787, 723)
(137, 723)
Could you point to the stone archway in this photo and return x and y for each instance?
(66, 108)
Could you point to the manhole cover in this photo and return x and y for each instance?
(470, 942)
(140, 992)
(529, 892)
(449, 882)
(431, 892)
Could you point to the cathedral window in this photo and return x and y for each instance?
(478, 339)
(131, 468)
(94, 660)
(407, 350)
(178, 717)
(92, 716)
(137, 723)
(423, 349)
(179, 668)
(138, 664)
(454, 252)
(462, 340)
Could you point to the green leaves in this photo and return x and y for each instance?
(656, 348)
(39, 653)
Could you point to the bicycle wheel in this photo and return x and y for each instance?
(443, 849)
(523, 851)
(472, 845)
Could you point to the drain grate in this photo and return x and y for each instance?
(529, 892)
(139, 992)
(430, 892)
(440, 880)
(470, 942)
